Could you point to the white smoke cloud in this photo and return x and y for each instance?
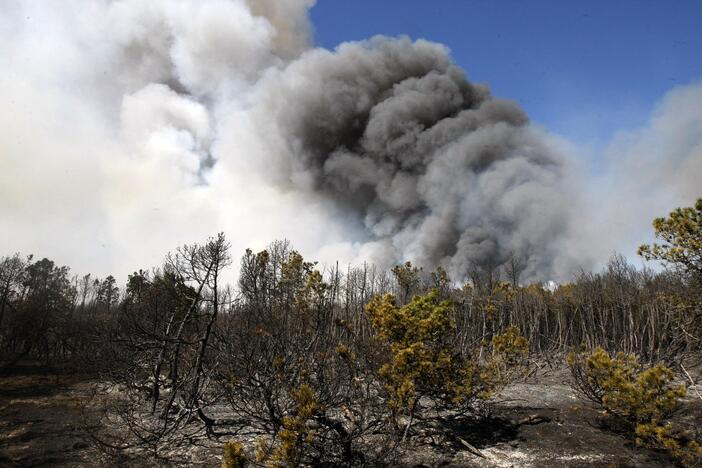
(650, 171)
(110, 111)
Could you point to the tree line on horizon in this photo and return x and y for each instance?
(310, 362)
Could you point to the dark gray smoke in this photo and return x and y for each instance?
(430, 164)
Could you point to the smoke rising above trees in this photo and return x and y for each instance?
(431, 165)
(135, 125)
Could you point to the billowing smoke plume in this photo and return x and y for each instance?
(129, 127)
(432, 165)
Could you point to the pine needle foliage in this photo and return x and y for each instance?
(234, 456)
(642, 400)
(681, 236)
(423, 360)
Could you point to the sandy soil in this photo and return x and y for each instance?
(537, 423)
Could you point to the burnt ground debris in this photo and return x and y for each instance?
(45, 420)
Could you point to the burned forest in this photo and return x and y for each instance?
(302, 233)
(299, 364)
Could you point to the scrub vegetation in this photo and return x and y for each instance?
(304, 365)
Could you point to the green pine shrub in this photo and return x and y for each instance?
(423, 359)
(234, 456)
(641, 400)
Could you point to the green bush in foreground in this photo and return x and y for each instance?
(288, 449)
(642, 400)
(423, 360)
(296, 434)
(234, 456)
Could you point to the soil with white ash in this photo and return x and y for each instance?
(45, 419)
(42, 419)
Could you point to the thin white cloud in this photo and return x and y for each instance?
(648, 172)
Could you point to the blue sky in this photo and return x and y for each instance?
(581, 69)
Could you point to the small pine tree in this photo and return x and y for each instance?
(234, 456)
(639, 399)
(681, 234)
(423, 360)
(296, 437)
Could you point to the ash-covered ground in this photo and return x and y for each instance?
(46, 417)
